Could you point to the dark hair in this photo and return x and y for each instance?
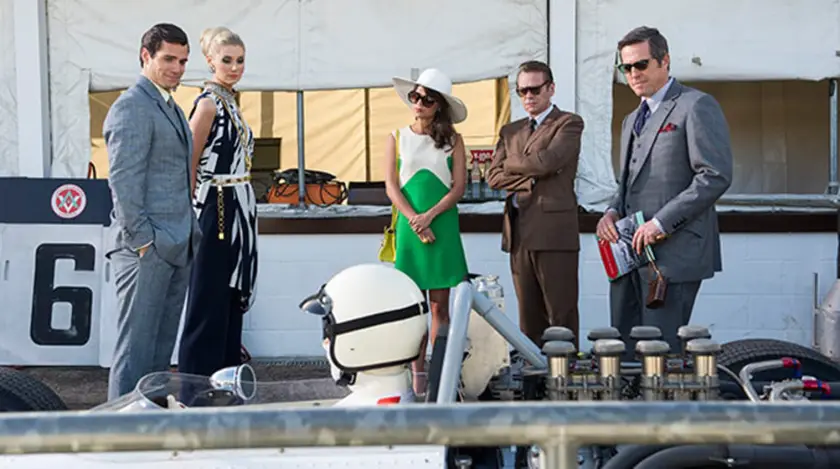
(656, 41)
(154, 38)
(536, 66)
(442, 129)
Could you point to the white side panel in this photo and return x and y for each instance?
(596, 182)
(70, 81)
(8, 92)
(562, 32)
(70, 120)
(58, 325)
(33, 103)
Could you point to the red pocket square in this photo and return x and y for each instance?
(668, 128)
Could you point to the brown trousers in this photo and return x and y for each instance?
(546, 284)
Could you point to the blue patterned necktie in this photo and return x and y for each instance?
(641, 117)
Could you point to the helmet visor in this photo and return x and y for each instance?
(318, 303)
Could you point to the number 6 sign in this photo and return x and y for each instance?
(53, 274)
(45, 294)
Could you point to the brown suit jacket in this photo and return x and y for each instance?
(541, 169)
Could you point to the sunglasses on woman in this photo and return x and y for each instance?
(427, 100)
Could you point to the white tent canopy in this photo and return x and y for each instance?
(306, 45)
(292, 45)
(323, 44)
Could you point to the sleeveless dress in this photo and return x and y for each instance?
(224, 270)
(425, 177)
(226, 154)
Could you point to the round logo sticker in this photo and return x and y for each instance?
(68, 201)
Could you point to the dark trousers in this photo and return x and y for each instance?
(212, 334)
(546, 284)
(628, 295)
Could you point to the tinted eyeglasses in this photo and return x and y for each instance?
(641, 66)
(534, 90)
(427, 100)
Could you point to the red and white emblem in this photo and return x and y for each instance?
(68, 201)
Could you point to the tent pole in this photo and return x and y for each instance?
(832, 172)
(301, 160)
(368, 162)
(32, 71)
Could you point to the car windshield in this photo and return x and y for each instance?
(168, 389)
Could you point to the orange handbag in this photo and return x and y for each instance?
(321, 188)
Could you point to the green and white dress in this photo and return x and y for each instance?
(425, 177)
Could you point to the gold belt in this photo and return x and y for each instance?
(225, 181)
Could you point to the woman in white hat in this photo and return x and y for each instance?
(425, 179)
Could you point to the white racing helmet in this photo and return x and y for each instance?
(374, 316)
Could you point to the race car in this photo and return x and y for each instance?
(373, 320)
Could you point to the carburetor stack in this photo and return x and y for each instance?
(661, 374)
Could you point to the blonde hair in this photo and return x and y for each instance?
(213, 38)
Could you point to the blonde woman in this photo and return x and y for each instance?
(224, 273)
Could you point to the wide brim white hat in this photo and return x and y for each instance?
(433, 79)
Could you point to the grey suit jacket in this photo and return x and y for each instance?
(149, 150)
(683, 166)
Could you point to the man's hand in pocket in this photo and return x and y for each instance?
(142, 250)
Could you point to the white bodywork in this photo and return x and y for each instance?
(281, 458)
(370, 390)
(487, 353)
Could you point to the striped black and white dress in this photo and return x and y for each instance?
(229, 143)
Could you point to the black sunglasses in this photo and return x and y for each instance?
(641, 66)
(427, 100)
(534, 90)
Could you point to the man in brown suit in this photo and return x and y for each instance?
(536, 161)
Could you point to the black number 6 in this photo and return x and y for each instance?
(45, 294)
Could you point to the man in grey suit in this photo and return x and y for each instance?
(676, 162)
(156, 232)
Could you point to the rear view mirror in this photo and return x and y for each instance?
(240, 380)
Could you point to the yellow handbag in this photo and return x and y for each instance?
(388, 248)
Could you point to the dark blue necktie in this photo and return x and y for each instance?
(641, 117)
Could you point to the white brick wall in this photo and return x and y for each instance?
(765, 290)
